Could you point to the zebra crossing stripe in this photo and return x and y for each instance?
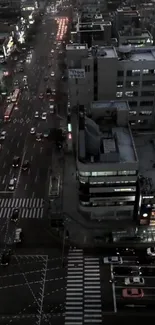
(83, 292)
(34, 213)
(28, 208)
(21, 203)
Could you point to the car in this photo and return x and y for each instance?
(151, 251)
(15, 215)
(32, 130)
(55, 43)
(16, 83)
(2, 135)
(52, 74)
(134, 280)
(46, 78)
(133, 270)
(51, 107)
(6, 257)
(25, 78)
(38, 136)
(52, 51)
(12, 184)
(132, 293)
(8, 99)
(18, 235)
(26, 165)
(49, 64)
(16, 161)
(46, 134)
(113, 260)
(41, 96)
(25, 86)
(15, 107)
(44, 116)
(36, 114)
(53, 91)
(21, 69)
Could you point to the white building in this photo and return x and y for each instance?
(107, 73)
(107, 162)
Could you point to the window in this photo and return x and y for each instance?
(105, 173)
(132, 112)
(149, 83)
(146, 113)
(120, 73)
(87, 68)
(129, 93)
(119, 84)
(119, 94)
(127, 172)
(130, 84)
(147, 93)
(135, 72)
(146, 103)
(133, 104)
(146, 71)
(129, 73)
(84, 174)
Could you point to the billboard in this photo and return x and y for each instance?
(76, 73)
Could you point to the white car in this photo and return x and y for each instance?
(137, 280)
(32, 131)
(52, 51)
(12, 184)
(113, 260)
(52, 74)
(8, 99)
(151, 251)
(36, 114)
(44, 116)
(18, 234)
(3, 135)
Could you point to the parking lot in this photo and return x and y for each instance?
(32, 285)
(122, 294)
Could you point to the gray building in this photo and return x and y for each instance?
(107, 73)
(107, 163)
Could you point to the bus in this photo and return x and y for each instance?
(54, 187)
(15, 95)
(8, 112)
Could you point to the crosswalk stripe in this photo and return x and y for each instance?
(28, 207)
(83, 290)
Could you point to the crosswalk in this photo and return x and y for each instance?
(28, 208)
(83, 292)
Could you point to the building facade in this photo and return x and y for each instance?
(107, 73)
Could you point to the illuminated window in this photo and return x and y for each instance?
(119, 94)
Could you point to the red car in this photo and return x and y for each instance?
(132, 293)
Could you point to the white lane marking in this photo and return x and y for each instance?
(34, 145)
(113, 289)
(4, 178)
(17, 144)
(36, 178)
(4, 164)
(25, 187)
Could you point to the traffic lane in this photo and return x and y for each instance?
(148, 281)
(34, 181)
(106, 288)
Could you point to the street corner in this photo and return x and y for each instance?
(21, 288)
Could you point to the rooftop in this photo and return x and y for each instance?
(102, 51)
(76, 46)
(145, 146)
(136, 32)
(105, 136)
(137, 54)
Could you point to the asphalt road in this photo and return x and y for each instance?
(19, 141)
